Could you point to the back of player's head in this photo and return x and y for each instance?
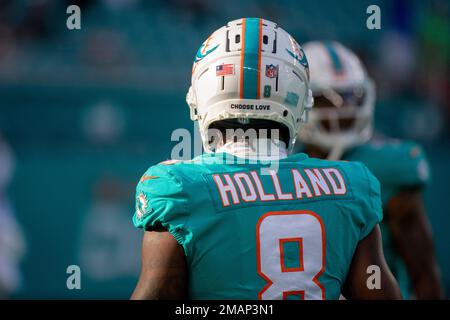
(344, 98)
(250, 74)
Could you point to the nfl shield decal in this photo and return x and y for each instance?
(271, 71)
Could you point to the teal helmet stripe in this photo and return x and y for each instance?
(251, 58)
(336, 61)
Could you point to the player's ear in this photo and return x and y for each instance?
(191, 100)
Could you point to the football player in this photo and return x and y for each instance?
(340, 127)
(245, 220)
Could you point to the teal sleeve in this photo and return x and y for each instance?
(411, 166)
(161, 201)
(372, 207)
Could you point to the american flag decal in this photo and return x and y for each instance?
(224, 69)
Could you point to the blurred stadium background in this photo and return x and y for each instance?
(83, 113)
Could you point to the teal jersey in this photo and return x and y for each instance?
(397, 165)
(285, 229)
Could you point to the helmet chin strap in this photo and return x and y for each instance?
(336, 152)
(261, 149)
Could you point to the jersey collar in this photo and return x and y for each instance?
(265, 150)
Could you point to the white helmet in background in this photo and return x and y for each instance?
(344, 99)
(249, 69)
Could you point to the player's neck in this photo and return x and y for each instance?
(262, 149)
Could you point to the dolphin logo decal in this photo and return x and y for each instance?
(199, 56)
(302, 60)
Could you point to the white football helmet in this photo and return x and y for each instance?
(344, 99)
(249, 69)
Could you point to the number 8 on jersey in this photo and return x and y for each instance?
(304, 229)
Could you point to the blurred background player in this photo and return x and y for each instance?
(12, 242)
(341, 127)
(240, 221)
